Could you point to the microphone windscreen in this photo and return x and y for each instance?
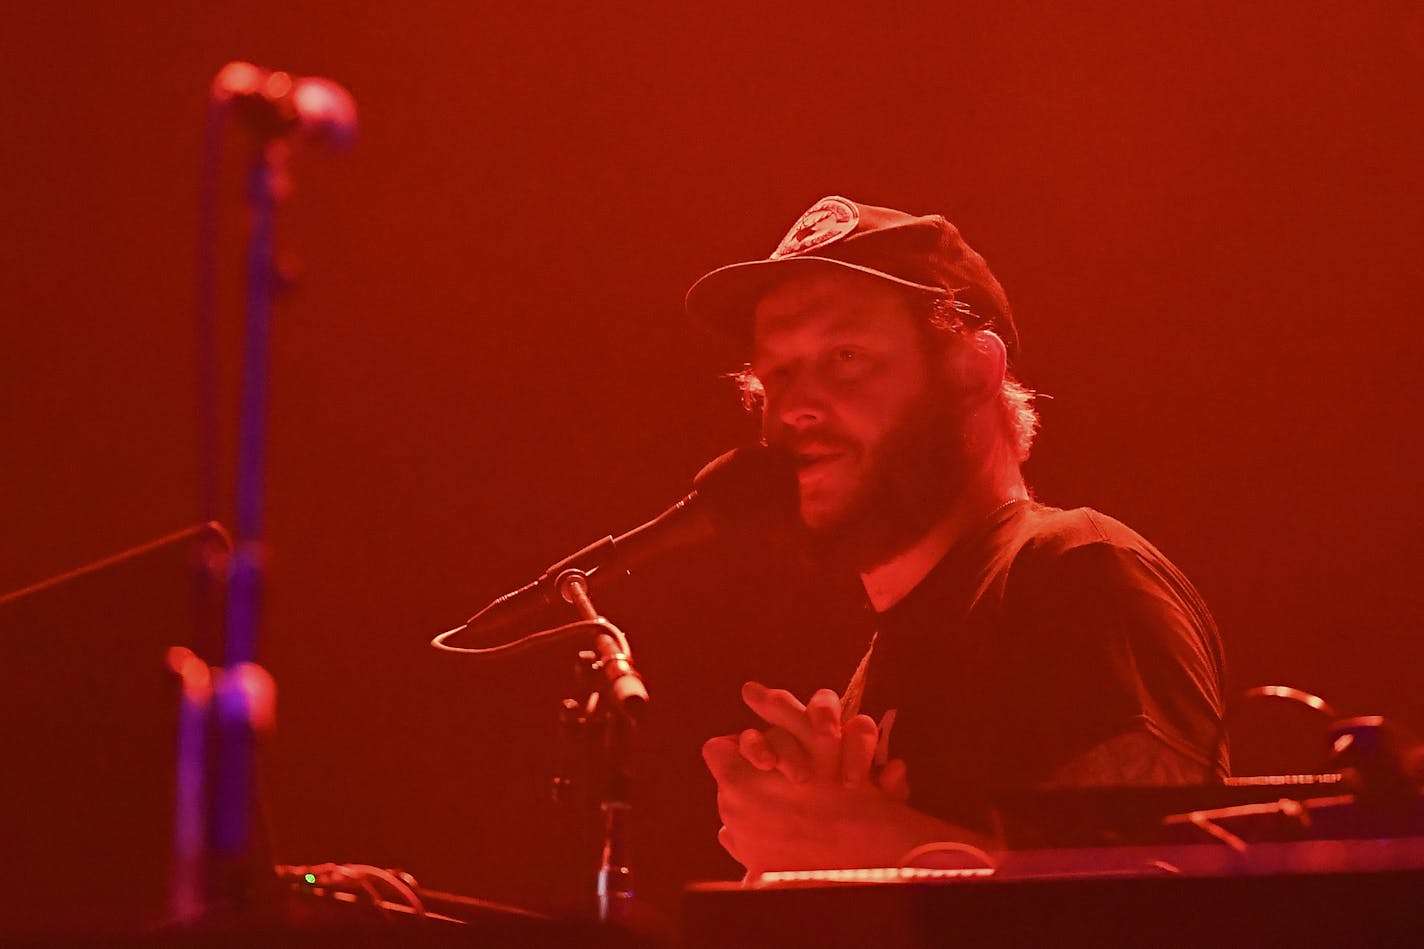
(749, 487)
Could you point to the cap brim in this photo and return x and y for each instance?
(725, 298)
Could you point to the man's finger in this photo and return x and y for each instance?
(779, 708)
(792, 760)
(858, 749)
(723, 757)
(824, 713)
(757, 750)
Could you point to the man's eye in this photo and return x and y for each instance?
(772, 379)
(849, 359)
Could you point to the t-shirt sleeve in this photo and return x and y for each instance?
(1105, 640)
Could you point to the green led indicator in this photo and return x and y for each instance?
(309, 877)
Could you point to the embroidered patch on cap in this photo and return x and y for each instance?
(829, 219)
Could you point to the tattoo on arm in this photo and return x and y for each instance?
(1136, 757)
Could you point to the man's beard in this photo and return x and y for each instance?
(912, 479)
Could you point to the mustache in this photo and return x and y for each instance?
(814, 442)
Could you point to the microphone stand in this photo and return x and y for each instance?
(611, 710)
(278, 110)
(235, 792)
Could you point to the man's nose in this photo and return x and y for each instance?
(801, 403)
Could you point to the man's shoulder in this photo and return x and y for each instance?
(1048, 531)
(1094, 560)
(1088, 549)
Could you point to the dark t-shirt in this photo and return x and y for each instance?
(1039, 636)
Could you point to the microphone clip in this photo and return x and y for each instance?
(611, 658)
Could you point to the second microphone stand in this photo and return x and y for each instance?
(610, 713)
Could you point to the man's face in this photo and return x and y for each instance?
(853, 390)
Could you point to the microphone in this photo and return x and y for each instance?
(277, 104)
(737, 492)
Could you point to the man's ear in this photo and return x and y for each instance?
(975, 365)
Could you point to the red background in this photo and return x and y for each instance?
(1208, 218)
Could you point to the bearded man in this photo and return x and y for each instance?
(1015, 644)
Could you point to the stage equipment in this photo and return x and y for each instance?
(1325, 893)
(281, 112)
(342, 904)
(606, 718)
(741, 491)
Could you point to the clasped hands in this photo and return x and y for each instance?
(805, 792)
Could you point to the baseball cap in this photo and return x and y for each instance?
(924, 253)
